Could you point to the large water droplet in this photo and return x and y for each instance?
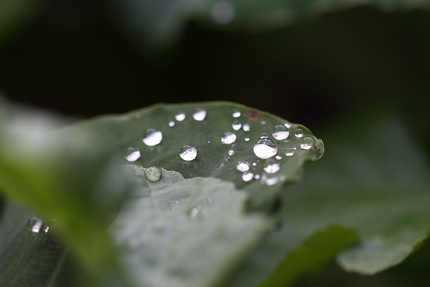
(306, 143)
(132, 154)
(188, 153)
(228, 138)
(153, 173)
(180, 117)
(246, 127)
(298, 133)
(281, 132)
(223, 12)
(152, 137)
(265, 148)
(236, 114)
(35, 224)
(272, 168)
(236, 125)
(199, 114)
(242, 166)
(247, 176)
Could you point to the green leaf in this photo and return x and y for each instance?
(374, 179)
(161, 22)
(185, 232)
(214, 158)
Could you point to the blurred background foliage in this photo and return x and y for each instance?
(85, 58)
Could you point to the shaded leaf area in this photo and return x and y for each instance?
(67, 178)
(224, 137)
(15, 13)
(28, 258)
(161, 22)
(374, 179)
(184, 232)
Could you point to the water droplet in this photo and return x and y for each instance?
(236, 125)
(171, 124)
(288, 125)
(152, 137)
(173, 204)
(132, 154)
(272, 168)
(228, 138)
(199, 114)
(281, 132)
(246, 127)
(188, 153)
(236, 114)
(269, 181)
(319, 145)
(263, 122)
(247, 176)
(278, 157)
(45, 228)
(254, 164)
(34, 224)
(180, 117)
(257, 176)
(264, 136)
(265, 148)
(242, 166)
(289, 151)
(194, 212)
(298, 133)
(231, 152)
(247, 139)
(306, 143)
(153, 173)
(223, 12)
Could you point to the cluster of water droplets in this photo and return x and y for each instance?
(36, 225)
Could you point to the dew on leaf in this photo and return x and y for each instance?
(264, 136)
(257, 176)
(265, 148)
(319, 145)
(236, 125)
(180, 117)
(278, 157)
(188, 153)
(171, 124)
(306, 143)
(228, 138)
(242, 166)
(272, 168)
(281, 132)
(194, 212)
(34, 224)
(247, 176)
(231, 152)
(152, 137)
(298, 133)
(132, 154)
(246, 127)
(247, 139)
(153, 173)
(263, 122)
(236, 114)
(289, 151)
(199, 114)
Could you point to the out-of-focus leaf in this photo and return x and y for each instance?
(373, 179)
(161, 22)
(185, 232)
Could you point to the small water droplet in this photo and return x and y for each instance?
(153, 173)
(236, 125)
(264, 136)
(269, 181)
(319, 145)
(171, 124)
(289, 151)
(199, 114)
(257, 176)
(223, 12)
(272, 168)
(247, 139)
(34, 224)
(173, 204)
(242, 166)
(236, 114)
(152, 137)
(254, 164)
(45, 228)
(188, 153)
(278, 157)
(231, 152)
(194, 212)
(247, 176)
(265, 148)
(228, 138)
(281, 132)
(132, 154)
(288, 125)
(306, 143)
(298, 133)
(246, 127)
(180, 117)
(263, 122)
